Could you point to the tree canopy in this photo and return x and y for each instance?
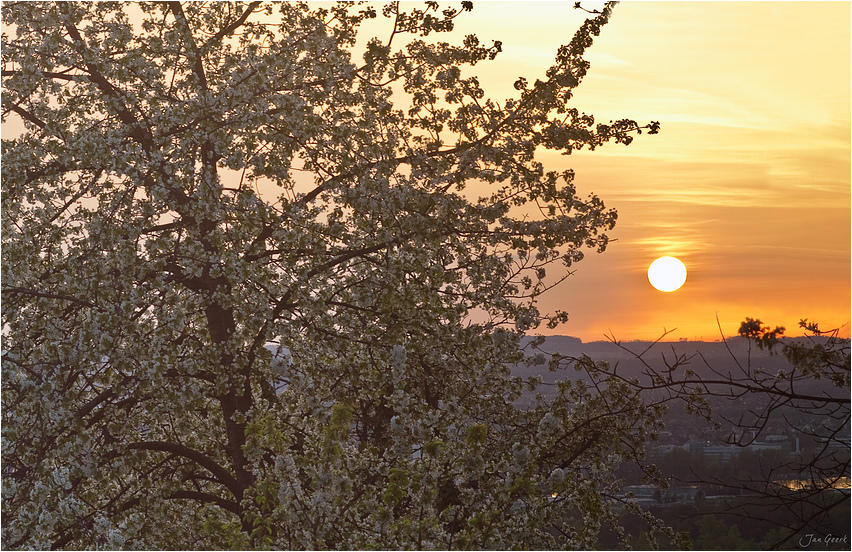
(190, 363)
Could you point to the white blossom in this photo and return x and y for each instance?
(199, 181)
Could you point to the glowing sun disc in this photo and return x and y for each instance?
(667, 274)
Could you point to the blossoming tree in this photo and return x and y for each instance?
(189, 363)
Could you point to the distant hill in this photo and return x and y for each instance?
(720, 355)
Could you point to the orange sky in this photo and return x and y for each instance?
(748, 182)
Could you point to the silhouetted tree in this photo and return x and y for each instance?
(810, 397)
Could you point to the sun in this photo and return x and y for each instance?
(667, 274)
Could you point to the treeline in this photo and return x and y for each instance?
(735, 523)
(689, 472)
(733, 503)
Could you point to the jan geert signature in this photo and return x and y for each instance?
(812, 538)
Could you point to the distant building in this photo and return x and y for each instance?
(642, 491)
(778, 445)
(726, 452)
(723, 453)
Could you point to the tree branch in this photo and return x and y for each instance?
(48, 74)
(26, 115)
(229, 505)
(221, 474)
(198, 66)
(33, 293)
(225, 31)
(138, 132)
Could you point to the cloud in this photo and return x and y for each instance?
(604, 60)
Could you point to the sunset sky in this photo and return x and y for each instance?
(748, 182)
